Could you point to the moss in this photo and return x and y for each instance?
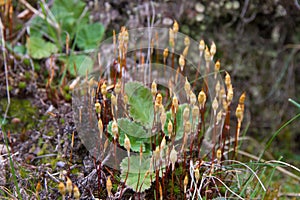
(37, 67)
(53, 162)
(68, 97)
(21, 109)
(75, 171)
(22, 85)
(50, 133)
(43, 150)
(27, 76)
(23, 172)
(62, 120)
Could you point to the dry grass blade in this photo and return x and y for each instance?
(260, 182)
(226, 186)
(36, 12)
(5, 70)
(284, 163)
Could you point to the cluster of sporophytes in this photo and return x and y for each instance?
(169, 138)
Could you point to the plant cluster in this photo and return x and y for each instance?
(171, 146)
(58, 36)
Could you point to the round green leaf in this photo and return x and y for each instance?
(136, 173)
(135, 132)
(140, 101)
(38, 48)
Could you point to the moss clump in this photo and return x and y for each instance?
(21, 109)
(22, 85)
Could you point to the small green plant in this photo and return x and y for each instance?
(64, 29)
(159, 127)
(181, 144)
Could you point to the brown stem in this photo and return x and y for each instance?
(126, 176)
(157, 184)
(237, 133)
(226, 127)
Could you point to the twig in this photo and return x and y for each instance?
(297, 4)
(6, 71)
(52, 177)
(36, 12)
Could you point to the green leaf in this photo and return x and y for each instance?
(90, 35)
(20, 49)
(134, 170)
(69, 14)
(179, 121)
(82, 62)
(38, 27)
(38, 48)
(140, 101)
(134, 131)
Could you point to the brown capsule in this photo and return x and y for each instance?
(163, 143)
(156, 153)
(197, 174)
(113, 99)
(219, 116)
(201, 45)
(175, 26)
(217, 88)
(171, 37)
(187, 86)
(207, 55)
(98, 107)
(127, 144)
(219, 154)
(185, 51)
(195, 112)
(158, 99)
(181, 62)
(175, 102)
(153, 88)
(100, 127)
(108, 186)
(125, 36)
(103, 89)
(114, 129)
(193, 98)
(62, 188)
(76, 192)
(165, 53)
(227, 80)
(185, 182)
(213, 50)
(38, 187)
(239, 113)
(187, 127)
(215, 104)
(69, 186)
(186, 114)
(217, 66)
(170, 128)
(186, 41)
(229, 94)
(242, 98)
(173, 157)
(201, 99)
